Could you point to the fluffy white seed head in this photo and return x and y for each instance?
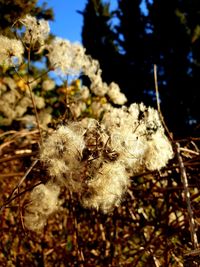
(96, 160)
(11, 51)
(62, 153)
(48, 85)
(43, 201)
(106, 188)
(115, 95)
(158, 153)
(36, 30)
(65, 57)
(91, 67)
(137, 134)
(98, 87)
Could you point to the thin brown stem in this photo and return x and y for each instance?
(158, 103)
(18, 195)
(156, 88)
(79, 250)
(23, 179)
(32, 96)
(40, 76)
(5, 159)
(184, 179)
(105, 241)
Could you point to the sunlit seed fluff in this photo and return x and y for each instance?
(137, 134)
(91, 67)
(99, 108)
(158, 153)
(106, 188)
(115, 95)
(62, 152)
(65, 57)
(85, 93)
(63, 142)
(48, 85)
(98, 87)
(36, 30)
(131, 149)
(96, 160)
(43, 201)
(11, 51)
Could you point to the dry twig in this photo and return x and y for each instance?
(187, 198)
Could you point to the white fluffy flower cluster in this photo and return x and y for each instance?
(98, 87)
(43, 202)
(36, 30)
(115, 95)
(96, 160)
(70, 59)
(14, 104)
(137, 133)
(65, 57)
(80, 157)
(11, 51)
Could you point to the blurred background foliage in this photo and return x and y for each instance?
(151, 226)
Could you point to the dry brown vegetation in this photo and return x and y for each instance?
(150, 228)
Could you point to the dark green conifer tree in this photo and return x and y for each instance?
(172, 51)
(133, 40)
(168, 36)
(99, 38)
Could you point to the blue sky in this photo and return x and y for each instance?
(68, 23)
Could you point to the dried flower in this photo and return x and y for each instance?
(85, 93)
(90, 66)
(137, 134)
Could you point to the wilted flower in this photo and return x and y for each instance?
(62, 153)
